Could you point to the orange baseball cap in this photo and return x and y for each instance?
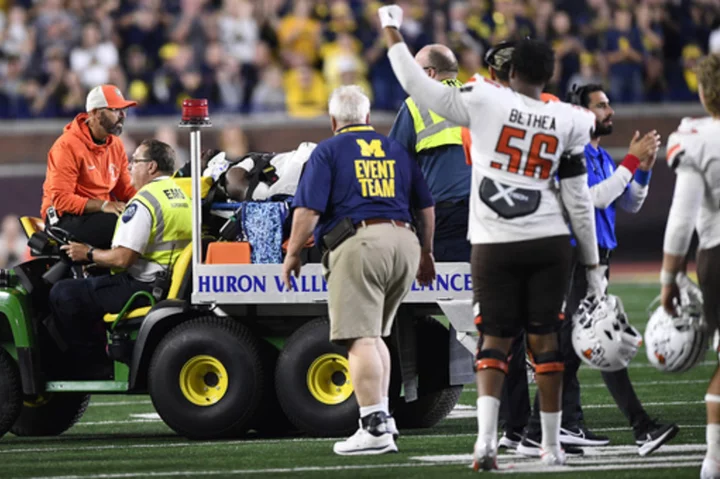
(106, 96)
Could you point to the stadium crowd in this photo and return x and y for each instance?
(250, 56)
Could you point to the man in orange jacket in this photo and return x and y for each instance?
(87, 180)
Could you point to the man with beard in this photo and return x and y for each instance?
(626, 186)
(87, 181)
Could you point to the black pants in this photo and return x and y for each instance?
(618, 382)
(515, 398)
(78, 306)
(451, 226)
(95, 229)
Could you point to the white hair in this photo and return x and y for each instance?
(348, 104)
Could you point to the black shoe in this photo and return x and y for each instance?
(581, 436)
(510, 440)
(530, 445)
(654, 436)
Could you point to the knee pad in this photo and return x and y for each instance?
(712, 398)
(551, 362)
(491, 359)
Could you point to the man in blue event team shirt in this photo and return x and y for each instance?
(356, 192)
(626, 186)
(436, 144)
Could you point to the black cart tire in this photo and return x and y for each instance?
(206, 378)
(10, 392)
(271, 420)
(50, 414)
(436, 398)
(312, 380)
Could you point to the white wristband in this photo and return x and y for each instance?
(102, 208)
(667, 277)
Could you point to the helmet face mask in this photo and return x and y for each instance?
(676, 344)
(602, 337)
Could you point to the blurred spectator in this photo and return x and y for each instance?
(567, 50)
(94, 58)
(345, 49)
(237, 30)
(351, 72)
(587, 75)
(306, 92)
(138, 77)
(57, 91)
(624, 49)
(54, 27)
(15, 35)
(13, 243)
(269, 94)
(299, 35)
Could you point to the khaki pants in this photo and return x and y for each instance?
(370, 274)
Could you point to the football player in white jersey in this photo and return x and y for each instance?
(521, 245)
(693, 153)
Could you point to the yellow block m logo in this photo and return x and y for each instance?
(374, 148)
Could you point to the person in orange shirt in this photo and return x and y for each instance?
(87, 181)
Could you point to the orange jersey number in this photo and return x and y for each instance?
(535, 166)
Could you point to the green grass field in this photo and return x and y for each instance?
(121, 437)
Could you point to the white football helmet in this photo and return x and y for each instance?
(602, 336)
(677, 343)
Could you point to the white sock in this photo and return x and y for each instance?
(488, 408)
(367, 410)
(386, 405)
(550, 423)
(712, 435)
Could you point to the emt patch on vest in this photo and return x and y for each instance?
(129, 212)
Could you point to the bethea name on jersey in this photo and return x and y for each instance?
(532, 120)
(309, 283)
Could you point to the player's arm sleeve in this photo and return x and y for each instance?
(447, 101)
(687, 199)
(576, 198)
(63, 170)
(613, 188)
(634, 196)
(575, 193)
(403, 130)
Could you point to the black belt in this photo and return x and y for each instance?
(450, 204)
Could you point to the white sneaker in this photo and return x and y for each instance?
(364, 442)
(710, 469)
(392, 427)
(485, 455)
(553, 456)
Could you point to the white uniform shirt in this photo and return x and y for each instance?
(133, 232)
(516, 141)
(692, 153)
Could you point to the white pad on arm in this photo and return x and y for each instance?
(712, 398)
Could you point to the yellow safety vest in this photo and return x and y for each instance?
(171, 212)
(432, 130)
